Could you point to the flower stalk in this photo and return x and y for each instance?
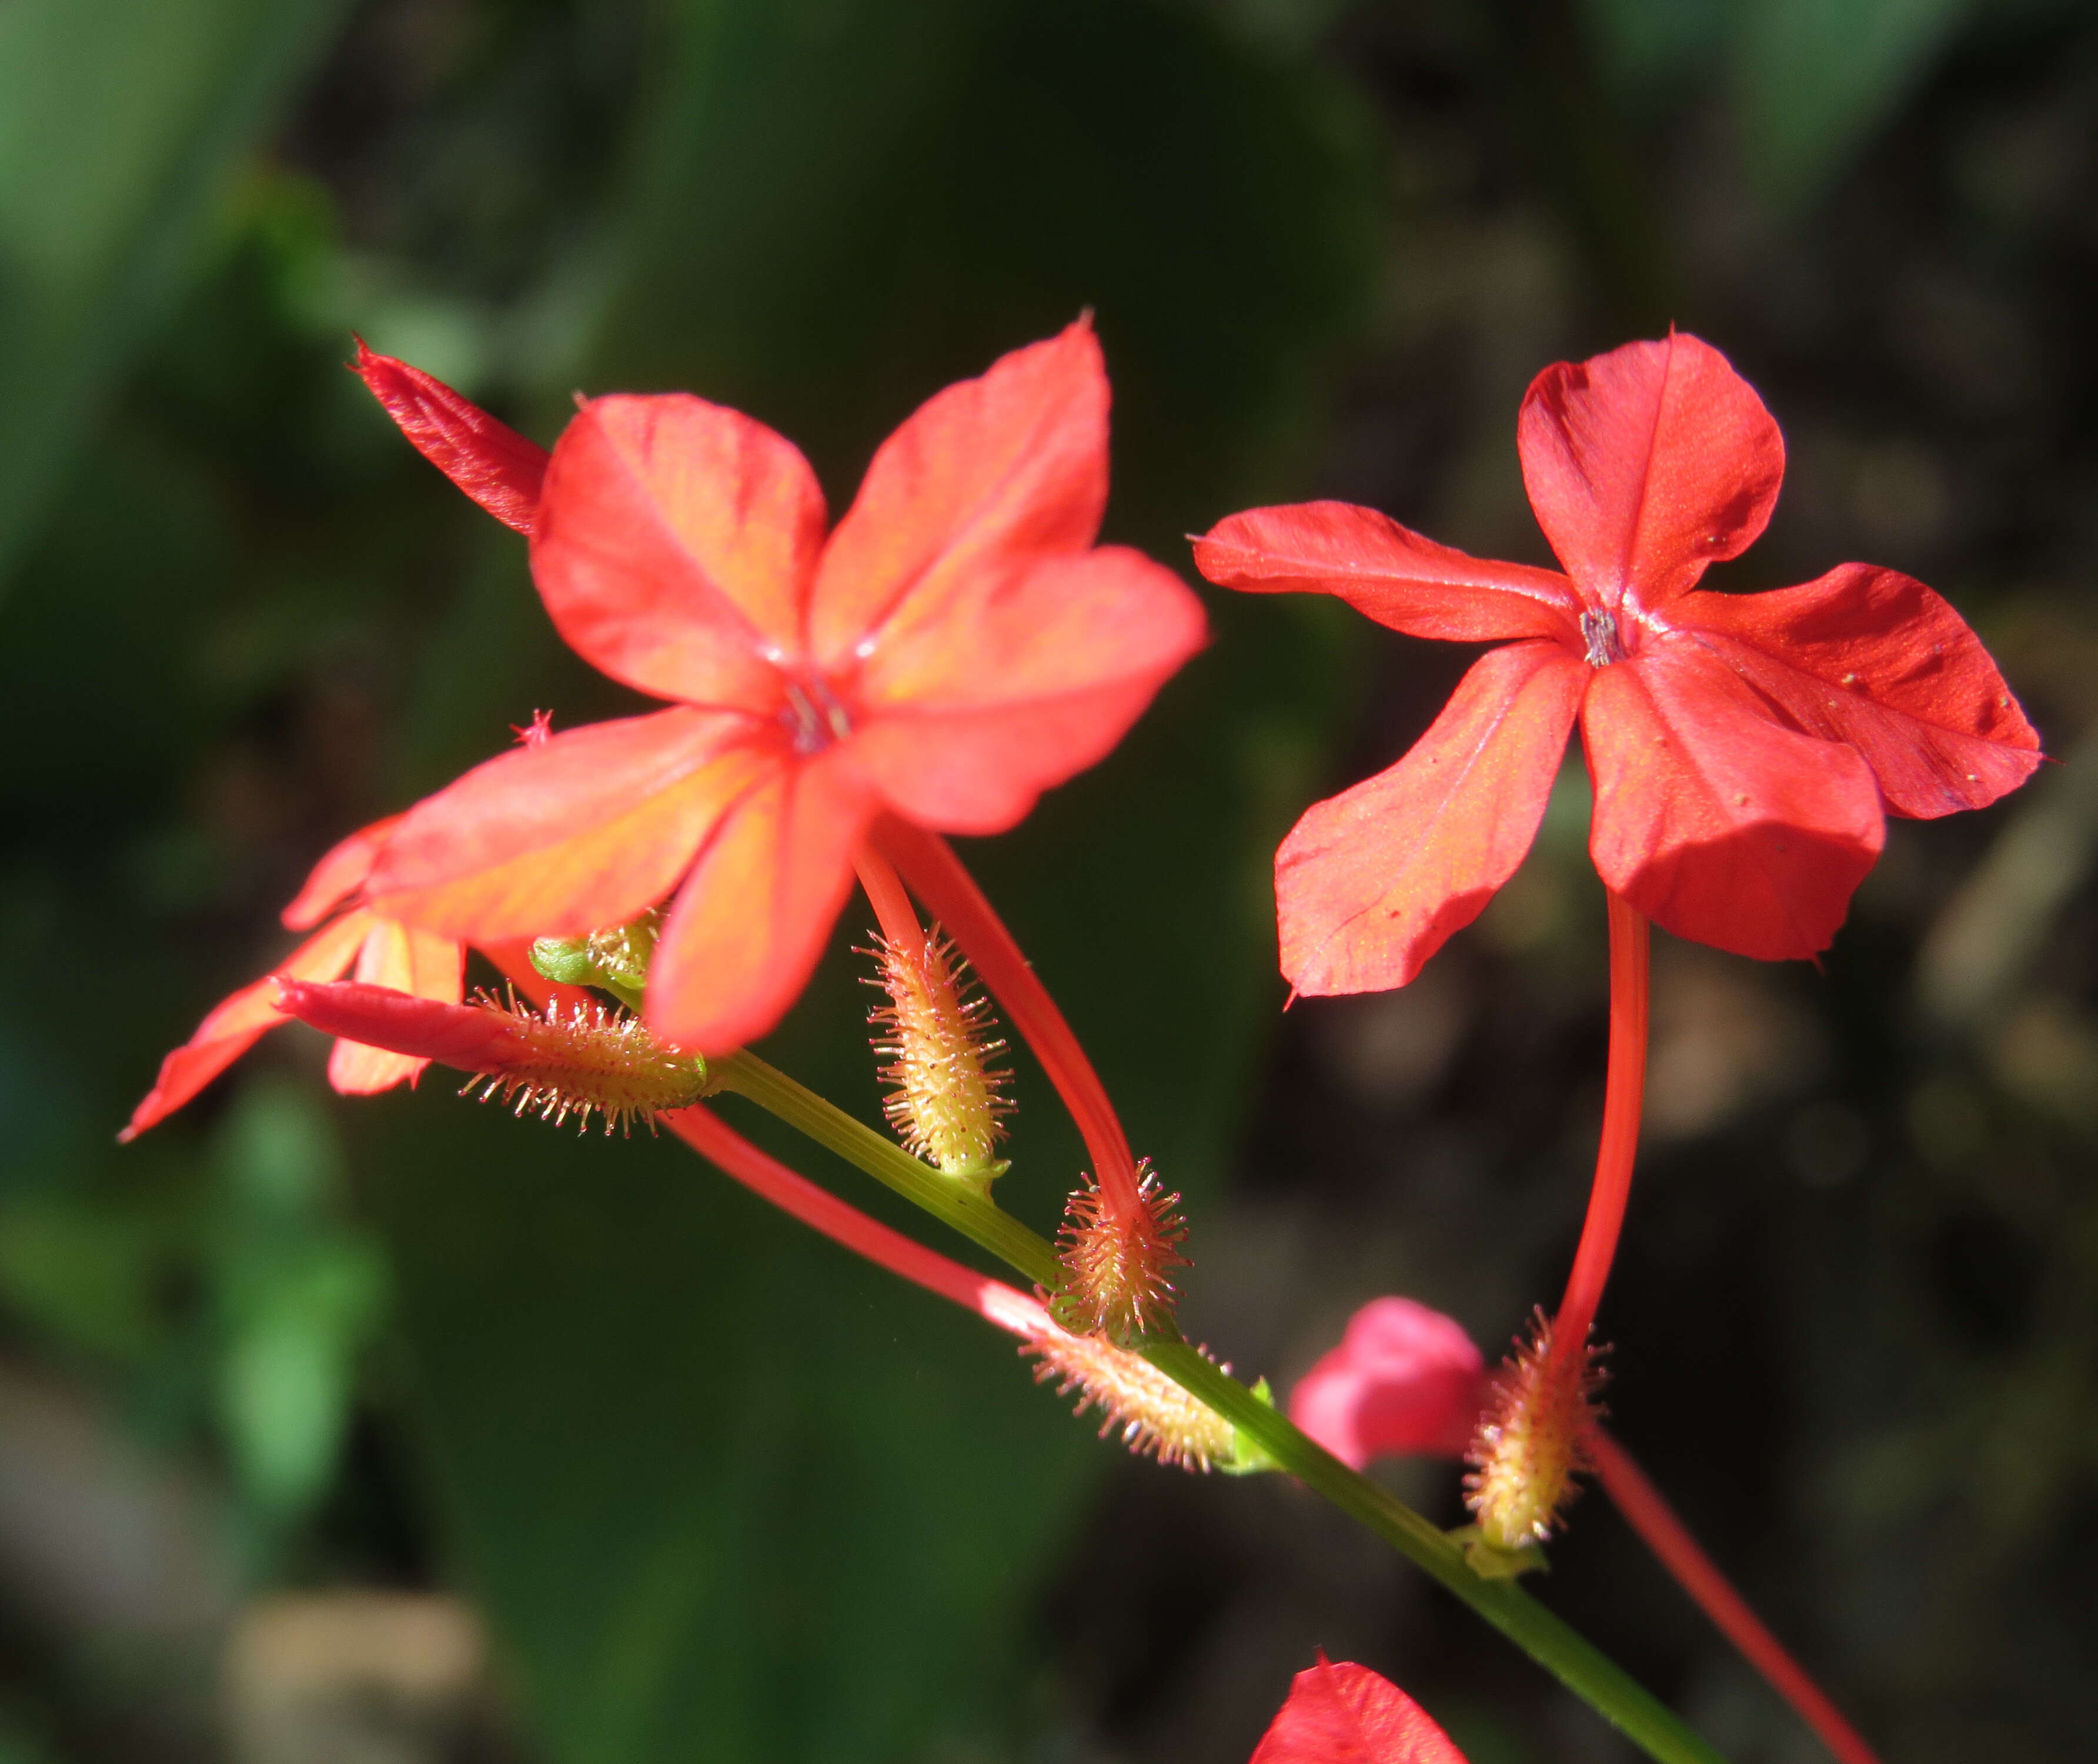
(482, 1038)
(953, 1204)
(1581, 1667)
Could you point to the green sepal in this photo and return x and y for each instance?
(566, 961)
(1248, 1458)
(1490, 1561)
(615, 958)
(978, 1179)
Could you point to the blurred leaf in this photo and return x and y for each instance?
(85, 1273)
(298, 1295)
(724, 1492)
(1813, 78)
(120, 122)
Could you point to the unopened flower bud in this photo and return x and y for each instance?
(949, 1100)
(1530, 1441)
(590, 1059)
(1119, 1266)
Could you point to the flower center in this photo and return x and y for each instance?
(812, 716)
(1598, 631)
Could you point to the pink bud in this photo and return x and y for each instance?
(1404, 1381)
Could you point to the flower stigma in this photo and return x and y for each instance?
(813, 716)
(1598, 631)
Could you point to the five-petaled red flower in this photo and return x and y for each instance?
(1743, 748)
(953, 647)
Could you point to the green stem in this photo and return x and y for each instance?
(946, 1199)
(1582, 1668)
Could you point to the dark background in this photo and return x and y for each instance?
(398, 1431)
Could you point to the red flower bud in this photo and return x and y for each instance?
(587, 1060)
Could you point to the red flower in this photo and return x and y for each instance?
(378, 951)
(956, 645)
(1345, 1714)
(1404, 1381)
(1743, 748)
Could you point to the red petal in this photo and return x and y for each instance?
(402, 958)
(1873, 658)
(491, 461)
(338, 875)
(675, 544)
(750, 922)
(1013, 463)
(1712, 818)
(1389, 571)
(583, 830)
(1022, 681)
(238, 1022)
(1344, 1714)
(1404, 1381)
(1646, 464)
(1371, 883)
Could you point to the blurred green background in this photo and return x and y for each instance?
(402, 1431)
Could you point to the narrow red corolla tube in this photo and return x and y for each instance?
(1534, 1436)
(1624, 1096)
(1661, 1532)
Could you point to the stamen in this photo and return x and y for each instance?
(1156, 1415)
(1531, 1440)
(949, 1102)
(1119, 1265)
